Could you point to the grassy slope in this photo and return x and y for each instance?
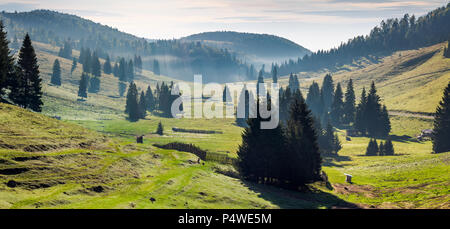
(411, 80)
(62, 100)
(128, 174)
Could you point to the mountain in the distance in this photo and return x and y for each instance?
(178, 59)
(251, 47)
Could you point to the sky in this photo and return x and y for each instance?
(314, 24)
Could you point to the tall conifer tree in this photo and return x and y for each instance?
(349, 104)
(7, 69)
(337, 107)
(132, 106)
(56, 75)
(441, 125)
(29, 67)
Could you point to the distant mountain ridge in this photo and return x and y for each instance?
(178, 59)
(251, 45)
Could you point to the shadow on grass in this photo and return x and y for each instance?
(330, 159)
(311, 198)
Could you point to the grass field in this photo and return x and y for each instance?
(91, 160)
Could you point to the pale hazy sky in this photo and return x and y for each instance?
(314, 24)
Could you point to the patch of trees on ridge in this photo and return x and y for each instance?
(392, 35)
(160, 100)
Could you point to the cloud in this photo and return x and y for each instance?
(18, 6)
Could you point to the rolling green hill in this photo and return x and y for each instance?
(254, 48)
(408, 81)
(63, 100)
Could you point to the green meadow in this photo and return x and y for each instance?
(90, 159)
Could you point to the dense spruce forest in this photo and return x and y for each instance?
(391, 35)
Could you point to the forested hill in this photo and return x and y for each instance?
(251, 46)
(55, 28)
(177, 59)
(391, 35)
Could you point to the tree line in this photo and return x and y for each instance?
(390, 36)
(161, 99)
(20, 81)
(386, 149)
(287, 156)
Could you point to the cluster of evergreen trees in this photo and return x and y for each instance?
(66, 50)
(137, 104)
(441, 125)
(124, 70)
(287, 156)
(92, 71)
(392, 35)
(371, 118)
(20, 81)
(327, 138)
(386, 149)
(90, 61)
(330, 104)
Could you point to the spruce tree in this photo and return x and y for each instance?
(142, 105)
(373, 110)
(372, 148)
(123, 70)
(96, 68)
(349, 104)
(389, 148)
(160, 129)
(56, 75)
(29, 67)
(243, 105)
(7, 69)
(150, 99)
(83, 86)
(122, 88)
(156, 69)
(260, 88)
(447, 50)
(336, 144)
(260, 156)
(327, 92)
(116, 70)
(94, 84)
(381, 149)
(74, 65)
(274, 73)
(441, 125)
(294, 84)
(226, 95)
(304, 163)
(337, 107)
(384, 124)
(86, 61)
(130, 71)
(132, 106)
(360, 124)
(107, 69)
(314, 100)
